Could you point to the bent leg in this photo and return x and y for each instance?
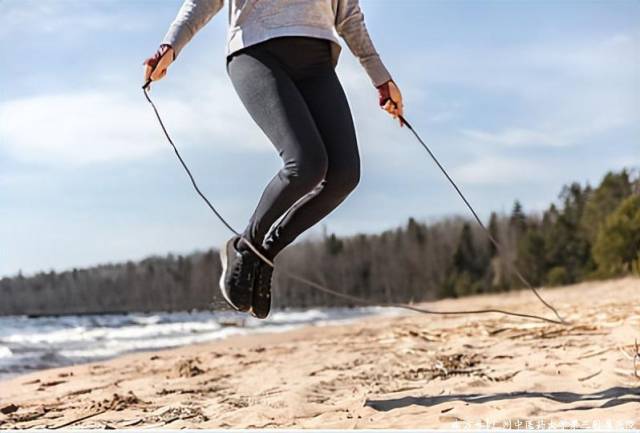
(277, 106)
(328, 104)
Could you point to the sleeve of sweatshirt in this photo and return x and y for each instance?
(192, 16)
(351, 27)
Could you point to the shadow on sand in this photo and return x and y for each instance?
(612, 396)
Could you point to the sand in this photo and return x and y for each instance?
(407, 371)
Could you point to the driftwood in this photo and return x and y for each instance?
(636, 360)
(82, 418)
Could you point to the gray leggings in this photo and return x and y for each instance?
(291, 90)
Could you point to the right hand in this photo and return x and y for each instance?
(156, 66)
(391, 100)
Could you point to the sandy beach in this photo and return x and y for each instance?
(408, 371)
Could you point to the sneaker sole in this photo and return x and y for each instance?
(263, 314)
(259, 316)
(223, 259)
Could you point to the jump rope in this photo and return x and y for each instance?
(560, 320)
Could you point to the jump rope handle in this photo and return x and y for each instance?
(145, 86)
(399, 115)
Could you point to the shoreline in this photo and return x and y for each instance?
(33, 345)
(404, 371)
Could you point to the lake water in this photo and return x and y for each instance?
(28, 344)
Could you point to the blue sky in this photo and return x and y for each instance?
(517, 98)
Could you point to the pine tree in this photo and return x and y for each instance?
(617, 247)
(468, 267)
(567, 244)
(531, 256)
(415, 231)
(613, 189)
(518, 219)
(493, 231)
(333, 245)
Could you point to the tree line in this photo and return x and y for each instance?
(590, 233)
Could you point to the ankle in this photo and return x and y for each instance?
(241, 245)
(270, 254)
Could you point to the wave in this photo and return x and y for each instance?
(5, 352)
(28, 344)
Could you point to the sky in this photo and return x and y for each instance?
(516, 98)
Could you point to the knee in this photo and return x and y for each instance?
(306, 173)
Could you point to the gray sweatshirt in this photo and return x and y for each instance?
(253, 21)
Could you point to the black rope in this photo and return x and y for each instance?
(352, 298)
(475, 215)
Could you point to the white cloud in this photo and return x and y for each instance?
(67, 17)
(557, 135)
(517, 137)
(76, 128)
(101, 126)
(613, 57)
(80, 128)
(560, 91)
(496, 170)
(107, 124)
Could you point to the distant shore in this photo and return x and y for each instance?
(408, 371)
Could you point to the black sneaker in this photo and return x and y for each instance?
(261, 300)
(238, 269)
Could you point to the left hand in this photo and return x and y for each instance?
(155, 67)
(390, 99)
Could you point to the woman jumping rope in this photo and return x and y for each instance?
(281, 57)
